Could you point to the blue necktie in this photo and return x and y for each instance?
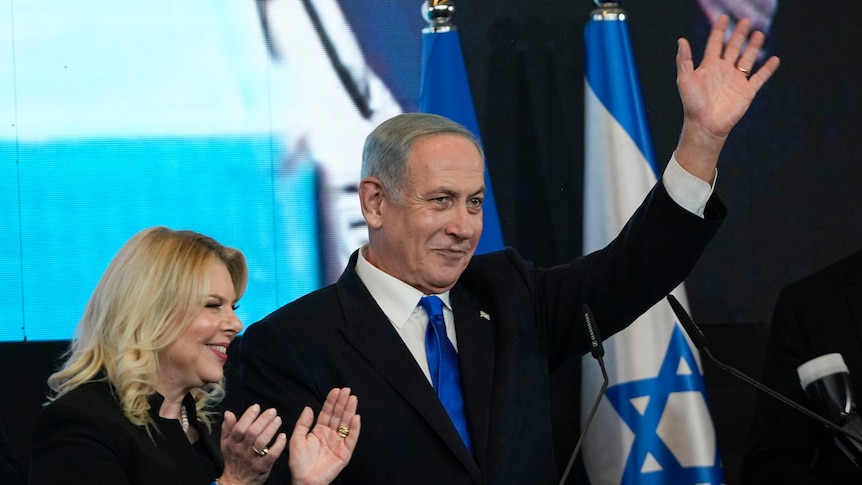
(443, 362)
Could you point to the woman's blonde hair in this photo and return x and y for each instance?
(152, 290)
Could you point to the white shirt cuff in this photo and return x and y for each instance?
(690, 192)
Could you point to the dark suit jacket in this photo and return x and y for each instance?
(84, 438)
(817, 315)
(338, 336)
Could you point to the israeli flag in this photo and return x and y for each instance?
(653, 425)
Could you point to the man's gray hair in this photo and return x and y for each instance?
(388, 147)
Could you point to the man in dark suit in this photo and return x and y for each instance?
(817, 315)
(510, 323)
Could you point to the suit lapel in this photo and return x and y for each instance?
(474, 326)
(368, 330)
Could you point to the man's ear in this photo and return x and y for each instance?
(371, 197)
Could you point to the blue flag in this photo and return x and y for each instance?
(445, 91)
(654, 425)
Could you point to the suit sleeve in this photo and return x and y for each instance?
(69, 447)
(651, 256)
(783, 442)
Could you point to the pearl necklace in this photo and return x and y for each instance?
(184, 419)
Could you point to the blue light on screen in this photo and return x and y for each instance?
(81, 200)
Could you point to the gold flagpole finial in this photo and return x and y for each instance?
(608, 11)
(438, 14)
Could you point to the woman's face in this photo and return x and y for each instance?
(198, 355)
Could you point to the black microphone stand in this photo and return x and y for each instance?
(699, 340)
(598, 351)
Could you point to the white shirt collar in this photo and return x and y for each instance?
(396, 298)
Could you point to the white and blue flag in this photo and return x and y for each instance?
(653, 425)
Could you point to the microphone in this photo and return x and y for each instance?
(826, 381)
(598, 351)
(700, 342)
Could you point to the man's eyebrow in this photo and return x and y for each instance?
(454, 193)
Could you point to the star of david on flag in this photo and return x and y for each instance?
(650, 406)
(653, 425)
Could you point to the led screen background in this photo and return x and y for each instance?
(117, 116)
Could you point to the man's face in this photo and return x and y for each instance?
(427, 239)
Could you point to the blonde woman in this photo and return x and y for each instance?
(135, 400)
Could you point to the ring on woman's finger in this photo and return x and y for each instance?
(744, 71)
(260, 453)
(343, 431)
